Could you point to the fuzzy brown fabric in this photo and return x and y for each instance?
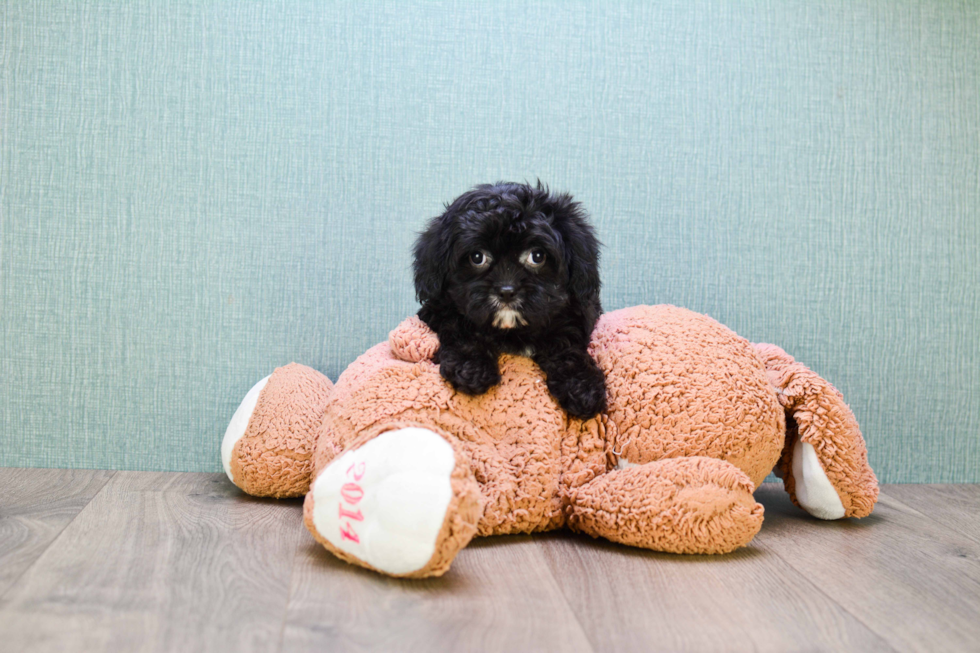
(678, 505)
(274, 458)
(693, 415)
(682, 384)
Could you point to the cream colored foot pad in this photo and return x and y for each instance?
(814, 491)
(239, 423)
(385, 502)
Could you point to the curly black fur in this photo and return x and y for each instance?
(513, 268)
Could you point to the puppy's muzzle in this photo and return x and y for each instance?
(507, 315)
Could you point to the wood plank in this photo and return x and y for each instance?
(498, 596)
(196, 566)
(911, 580)
(954, 506)
(635, 600)
(35, 507)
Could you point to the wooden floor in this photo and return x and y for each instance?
(125, 561)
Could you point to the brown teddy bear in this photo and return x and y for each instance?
(400, 471)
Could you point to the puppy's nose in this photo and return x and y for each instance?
(506, 293)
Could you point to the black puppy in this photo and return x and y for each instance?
(513, 268)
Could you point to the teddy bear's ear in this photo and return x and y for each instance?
(413, 341)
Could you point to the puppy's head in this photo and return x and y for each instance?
(509, 256)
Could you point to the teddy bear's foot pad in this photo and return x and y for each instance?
(385, 502)
(238, 424)
(814, 491)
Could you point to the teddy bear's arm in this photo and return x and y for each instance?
(413, 341)
(678, 505)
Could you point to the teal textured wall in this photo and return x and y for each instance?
(196, 192)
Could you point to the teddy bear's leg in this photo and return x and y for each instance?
(824, 465)
(677, 505)
(403, 502)
(268, 446)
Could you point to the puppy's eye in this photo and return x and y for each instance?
(534, 258)
(480, 259)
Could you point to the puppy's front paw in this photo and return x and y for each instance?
(473, 376)
(582, 393)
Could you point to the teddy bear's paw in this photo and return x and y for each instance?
(386, 503)
(814, 491)
(238, 425)
(413, 341)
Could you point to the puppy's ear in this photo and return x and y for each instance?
(432, 263)
(581, 249)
